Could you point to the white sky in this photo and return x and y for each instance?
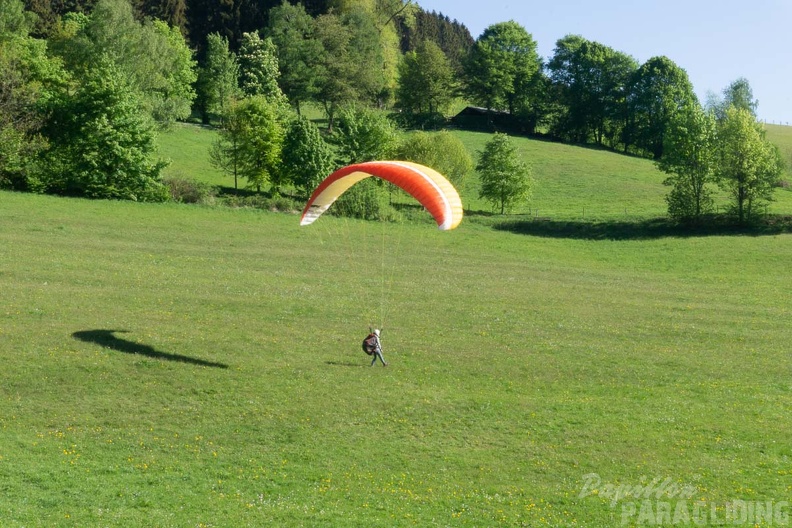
(716, 42)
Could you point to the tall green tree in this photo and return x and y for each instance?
(452, 37)
(738, 94)
(299, 51)
(748, 165)
(689, 157)
(28, 77)
(589, 81)
(351, 63)
(102, 142)
(369, 77)
(502, 66)
(505, 179)
(264, 144)
(250, 141)
(152, 55)
(426, 82)
(173, 93)
(658, 89)
(335, 79)
(227, 152)
(258, 68)
(217, 84)
(306, 156)
(363, 134)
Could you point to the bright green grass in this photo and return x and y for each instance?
(782, 137)
(519, 365)
(579, 183)
(572, 183)
(187, 148)
(588, 184)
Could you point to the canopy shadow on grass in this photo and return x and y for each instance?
(640, 229)
(107, 339)
(344, 364)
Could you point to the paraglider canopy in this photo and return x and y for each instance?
(426, 185)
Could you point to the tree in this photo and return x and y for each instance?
(441, 151)
(363, 135)
(502, 66)
(505, 179)
(589, 80)
(293, 31)
(172, 95)
(748, 166)
(15, 20)
(102, 141)
(262, 148)
(334, 74)
(738, 94)
(227, 150)
(28, 77)
(351, 62)
(152, 55)
(689, 159)
(172, 12)
(306, 157)
(426, 83)
(658, 89)
(258, 68)
(250, 141)
(217, 83)
(452, 37)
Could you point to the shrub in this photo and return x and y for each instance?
(260, 201)
(442, 151)
(186, 190)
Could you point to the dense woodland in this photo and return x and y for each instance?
(85, 84)
(231, 19)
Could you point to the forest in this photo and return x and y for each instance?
(85, 86)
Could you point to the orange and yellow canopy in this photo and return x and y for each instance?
(426, 185)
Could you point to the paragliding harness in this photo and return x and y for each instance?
(370, 344)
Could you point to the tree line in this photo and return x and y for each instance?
(79, 110)
(85, 86)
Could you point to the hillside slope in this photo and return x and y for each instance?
(572, 182)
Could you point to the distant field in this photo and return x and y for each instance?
(572, 183)
(575, 182)
(782, 137)
(173, 366)
(187, 146)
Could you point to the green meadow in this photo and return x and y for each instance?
(572, 183)
(169, 365)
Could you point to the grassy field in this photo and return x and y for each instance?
(172, 366)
